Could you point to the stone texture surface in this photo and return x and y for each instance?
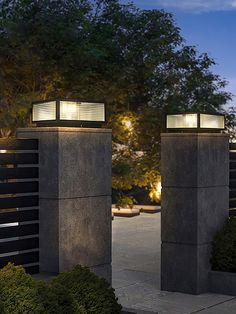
(49, 235)
(84, 155)
(222, 282)
(84, 232)
(104, 271)
(184, 268)
(192, 160)
(75, 197)
(193, 215)
(195, 201)
(87, 157)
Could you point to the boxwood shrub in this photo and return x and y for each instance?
(76, 292)
(18, 292)
(91, 293)
(224, 248)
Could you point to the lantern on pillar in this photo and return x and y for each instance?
(195, 122)
(69, 113)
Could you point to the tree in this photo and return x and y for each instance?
(136, 61)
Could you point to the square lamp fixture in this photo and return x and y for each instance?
(69, 113)
(195, 122)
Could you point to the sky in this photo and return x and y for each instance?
(210, 25)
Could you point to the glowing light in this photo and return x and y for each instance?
(69, 110)
(68, 113)
(3, 151)
(155, 193)
(197, 121)
(128, 124)
(182, 121)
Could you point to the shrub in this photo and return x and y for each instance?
(92, 294)
(18, 292)
(224, 248)
(76, 292)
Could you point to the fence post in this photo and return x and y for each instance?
(74, 198)
(195, 202)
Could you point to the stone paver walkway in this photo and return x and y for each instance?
(136, 272)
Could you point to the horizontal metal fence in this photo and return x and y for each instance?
(232, 179)
(19, 213)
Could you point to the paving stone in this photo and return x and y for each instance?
(136, 273)
(228, 307)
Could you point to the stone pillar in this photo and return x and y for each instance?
(195, 202)
(75, 198)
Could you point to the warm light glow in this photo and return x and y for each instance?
(3, 151)
(44, 111)
(210, 121)
(180, 121)
(128, 124)
(155, 193)
(190, 120)
(64, 111)
(69, 110)
(195, 121)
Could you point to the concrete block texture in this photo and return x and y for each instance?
(222, 282)
(85, 232)
(49, 235)
(195, 202)
(184, 268)
(74, 162)
(195, 159)
(104, 271)
(75, 197)
(193, 215)
(74, 231)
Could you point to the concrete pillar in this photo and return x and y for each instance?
(75, 198)
(195, 202)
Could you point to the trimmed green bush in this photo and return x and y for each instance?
(76, 292)
(92, 294)
(18, 292)
(224, 248)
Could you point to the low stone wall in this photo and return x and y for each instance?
(222, 282)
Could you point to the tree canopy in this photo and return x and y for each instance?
(135, 61)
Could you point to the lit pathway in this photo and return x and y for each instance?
(136, 272)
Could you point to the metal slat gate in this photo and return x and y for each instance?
(19, 226)
(232, 179)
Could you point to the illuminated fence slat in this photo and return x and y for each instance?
(19, 215)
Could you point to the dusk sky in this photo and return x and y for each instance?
(210, 25)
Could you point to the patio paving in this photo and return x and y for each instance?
(136, 273)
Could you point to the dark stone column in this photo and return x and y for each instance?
(75, 198)
(195, 202)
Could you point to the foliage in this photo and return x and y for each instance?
(230, 116)
(91, 293)
(18, 292)
(131, 166)
(75, 292)
(125, 201)
(136, 61)
(224, 248)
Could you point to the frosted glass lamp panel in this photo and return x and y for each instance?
(92, 111)
(44, 111)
